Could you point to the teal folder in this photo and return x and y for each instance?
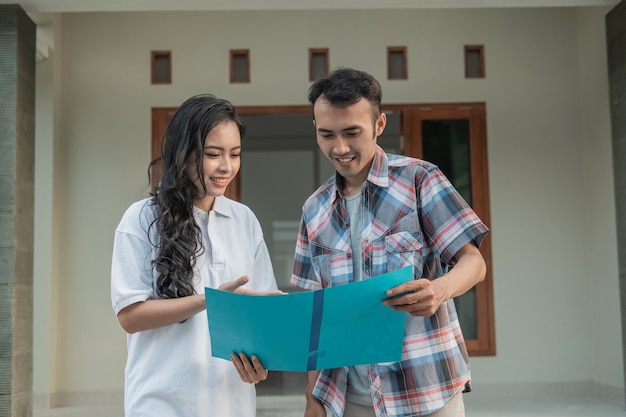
(328, 328)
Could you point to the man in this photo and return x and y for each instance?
(378, 213)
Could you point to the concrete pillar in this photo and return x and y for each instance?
(616, 52)
(17, 154)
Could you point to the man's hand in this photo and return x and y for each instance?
(421, 297)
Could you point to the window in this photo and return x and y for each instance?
(454, 138)
(318, 63)
(239, 66)
(161, 67)
(396, 63)
(474, 61)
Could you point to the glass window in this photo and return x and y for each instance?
(446, 143)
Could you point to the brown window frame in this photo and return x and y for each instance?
(480, 49)
(411, 116)
(239, 52)
(392, 50)
(153, 72)
(312, 53)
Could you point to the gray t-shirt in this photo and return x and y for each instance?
(358, 380)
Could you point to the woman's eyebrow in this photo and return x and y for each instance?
(219, 148)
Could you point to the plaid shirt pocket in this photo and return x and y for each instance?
(404, 249)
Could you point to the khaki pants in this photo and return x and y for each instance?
(454, 408)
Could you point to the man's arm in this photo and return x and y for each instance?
(425, 296)
(314, 408)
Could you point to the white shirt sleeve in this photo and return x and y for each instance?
(131, 267)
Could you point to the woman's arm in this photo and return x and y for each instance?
(152, 314)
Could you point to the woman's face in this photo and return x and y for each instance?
(221, 162)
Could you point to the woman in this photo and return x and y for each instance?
(167, 248)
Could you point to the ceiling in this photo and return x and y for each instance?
(40, 11)
(52, 6)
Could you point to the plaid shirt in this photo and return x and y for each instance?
(412, 216)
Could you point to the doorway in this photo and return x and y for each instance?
(281, 166)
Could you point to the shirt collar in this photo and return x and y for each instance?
(221, 206)
(378, 174)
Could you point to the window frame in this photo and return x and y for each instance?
(394, 50)
(239, 53)
(480, 50)
(411, 117)
(153, 67)
(318, 51)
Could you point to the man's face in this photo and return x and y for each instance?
(347, 136)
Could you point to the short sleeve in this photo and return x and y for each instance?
(448, 222)
(131, 264)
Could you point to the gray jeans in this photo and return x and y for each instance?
(454, 408)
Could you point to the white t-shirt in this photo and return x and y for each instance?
(170, 371)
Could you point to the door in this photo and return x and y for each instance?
(453, 136)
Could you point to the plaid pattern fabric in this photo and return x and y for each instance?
(412, 216)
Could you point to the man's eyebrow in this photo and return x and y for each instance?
(354, 127)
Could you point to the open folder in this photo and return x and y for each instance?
(328, 328)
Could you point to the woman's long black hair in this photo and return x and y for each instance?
(179, 240)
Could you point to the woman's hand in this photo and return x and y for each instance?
(249, 371)
(236, 287)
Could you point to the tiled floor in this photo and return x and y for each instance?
(281, 396)
(290, 406)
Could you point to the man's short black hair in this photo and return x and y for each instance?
(345, 86)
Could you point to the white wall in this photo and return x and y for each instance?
(554, 256)
(535, 157)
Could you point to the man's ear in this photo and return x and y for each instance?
(381, 122)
